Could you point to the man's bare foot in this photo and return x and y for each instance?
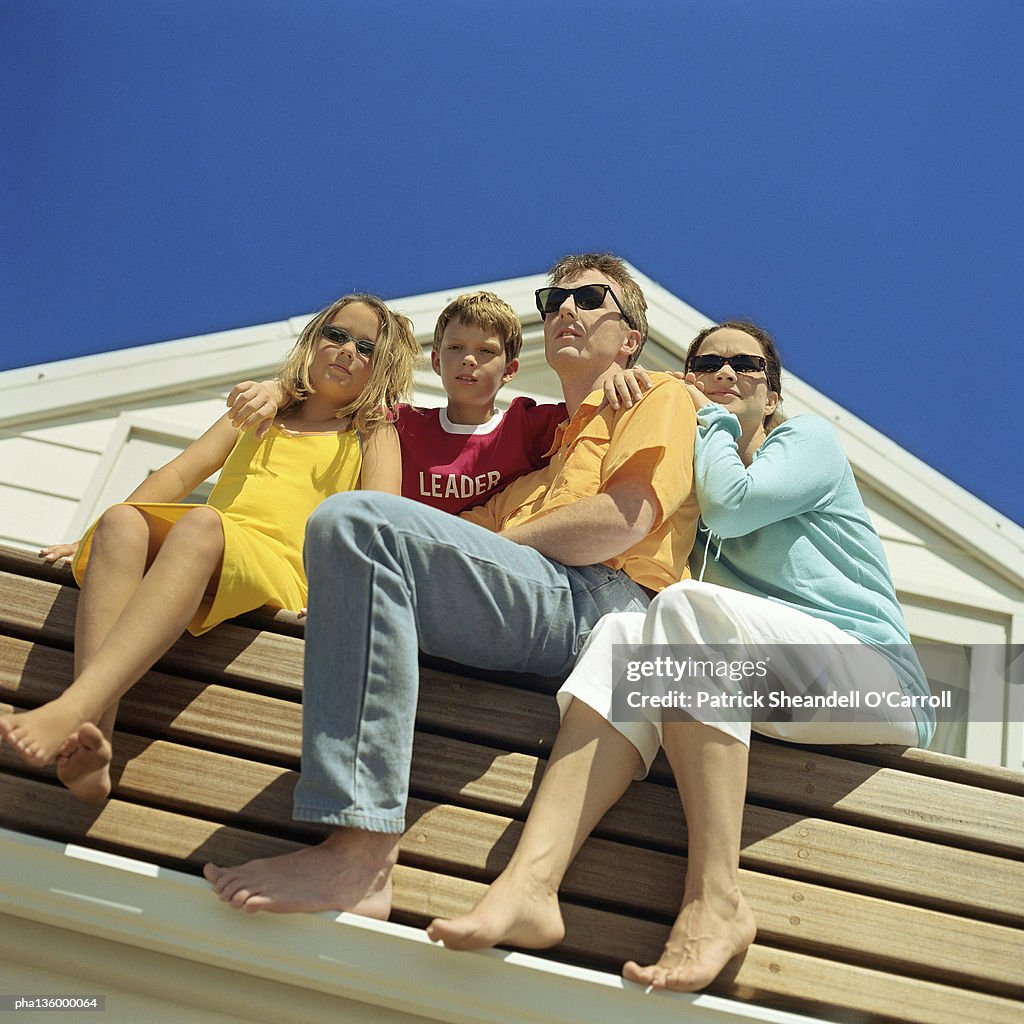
(39, 734)
(707, 934)
(350, 870)
(83, 764)
(511, 913)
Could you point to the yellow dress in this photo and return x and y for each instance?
(266, 492)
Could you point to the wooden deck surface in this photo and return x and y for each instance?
(888, 884)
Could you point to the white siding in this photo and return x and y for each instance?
(30, 520)
(47, 471)
(45, 466)
(924, 561)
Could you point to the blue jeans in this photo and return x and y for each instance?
(388, 576)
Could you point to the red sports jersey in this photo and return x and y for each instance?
(454, 466)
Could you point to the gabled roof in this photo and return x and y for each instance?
(52, 390)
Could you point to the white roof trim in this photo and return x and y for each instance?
(76, 385)
(142, 905)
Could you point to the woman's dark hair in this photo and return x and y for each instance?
(773, 369)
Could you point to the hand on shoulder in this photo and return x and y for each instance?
(252, 405)
(626, 388)
(694, 388)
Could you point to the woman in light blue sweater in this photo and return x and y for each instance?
(795, 605)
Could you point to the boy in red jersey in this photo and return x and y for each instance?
(456, 458)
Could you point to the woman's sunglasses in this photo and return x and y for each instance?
(741, 364)
(339, 336)
(586, 296)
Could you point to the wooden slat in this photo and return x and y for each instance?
(30, 566)
(780, 776)
(217, 716)
(37, 610)
(774, 977)
(255, 795)
(850, 855)
(795, 914)
(775, 841)
(453, 771)
(184, 842)
(449, 840)
(935, 765)
(906, 803)
(814, 783)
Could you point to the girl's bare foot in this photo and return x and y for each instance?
(707, 934)
(512, 912)
(350, 870)
(39, 734)
(83, 764)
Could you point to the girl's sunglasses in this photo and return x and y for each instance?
(586, 296)
(741, 364)
(339, 336)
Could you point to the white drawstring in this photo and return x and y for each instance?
(707, 544)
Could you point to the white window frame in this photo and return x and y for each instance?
(138, 445)
(984, 633)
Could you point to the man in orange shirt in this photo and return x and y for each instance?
(516, 584)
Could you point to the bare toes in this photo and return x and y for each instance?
(212, 873)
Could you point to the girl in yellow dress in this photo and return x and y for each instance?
(150, 567)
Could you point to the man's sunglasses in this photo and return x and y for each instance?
(586, 296)
(339, 336)
(741, 364)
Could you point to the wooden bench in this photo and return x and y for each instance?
(888, 884)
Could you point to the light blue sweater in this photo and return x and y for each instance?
(792, 527)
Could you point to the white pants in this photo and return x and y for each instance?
(703, 613)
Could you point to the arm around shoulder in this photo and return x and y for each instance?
(382, 461)
(254, 404)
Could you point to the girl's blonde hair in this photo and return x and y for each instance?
(395, 355)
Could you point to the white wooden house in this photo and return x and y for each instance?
(78, 435)
(888, 883)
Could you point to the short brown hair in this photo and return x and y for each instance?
(487, 311)
(633, 302)
(772, 371)
(395, 355)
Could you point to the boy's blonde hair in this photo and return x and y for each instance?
(487, 311)
(634, 304)
(395, 355)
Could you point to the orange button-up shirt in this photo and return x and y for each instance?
(651, 443)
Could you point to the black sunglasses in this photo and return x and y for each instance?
(741, 364)
(586, 296)
(339, 336)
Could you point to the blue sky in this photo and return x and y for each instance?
(846, 173)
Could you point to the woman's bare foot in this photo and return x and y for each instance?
(512, 912)
(83, 764)
(707, 934)
(38, 735)
(350, 870)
